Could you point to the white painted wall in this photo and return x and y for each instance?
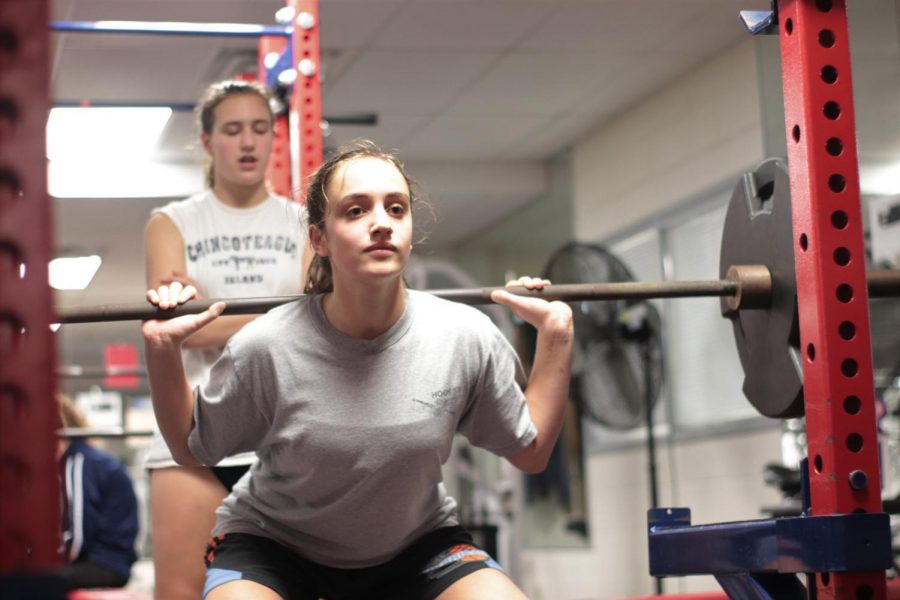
(719, 479)
(704, 129)
(686, 140)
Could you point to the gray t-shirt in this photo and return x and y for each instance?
(351, 434)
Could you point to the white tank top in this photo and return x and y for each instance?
(234, 253)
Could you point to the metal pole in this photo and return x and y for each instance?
(29, 500)
(881, 284)
(838, 389)
(567, 293)
(170, 28)
(367, 119)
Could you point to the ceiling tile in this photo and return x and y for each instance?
(411, 83)
(537, 84)
(623, 26)
(391, 132)
(164, 74)
(461, 25)
(353, 23)
(469, 138)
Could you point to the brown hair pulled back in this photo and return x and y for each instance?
(214, 95)
(319, 279)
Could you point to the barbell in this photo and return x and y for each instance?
(745, 287)
(757, 290)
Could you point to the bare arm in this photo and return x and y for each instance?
(173, 399)
(547, 391)
(165, 263)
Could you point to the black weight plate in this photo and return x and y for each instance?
(758, 231)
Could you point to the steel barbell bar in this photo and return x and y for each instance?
(102, 432)
(746, 287)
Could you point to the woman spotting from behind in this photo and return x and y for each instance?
(233, 240)
(351, 397)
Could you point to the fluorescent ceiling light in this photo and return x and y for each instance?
(174, 26)
(73, 273)
(117, 135)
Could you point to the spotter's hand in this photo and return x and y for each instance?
(529, 283)
(185, 281)
(175, 331)
(171, 293)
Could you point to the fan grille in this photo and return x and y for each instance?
(618, 347)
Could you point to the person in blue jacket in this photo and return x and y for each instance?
(99, 511)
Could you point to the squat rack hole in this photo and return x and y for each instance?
(12, 332)
(839, 219)
(10, 187)
(13, 404)
(11, 263)
(844, 293)
(849, 367)
(852, 405)
(837, 183)
(842, 256)
(847, 330)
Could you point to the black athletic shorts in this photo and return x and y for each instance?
(421, 572)
(228, 476)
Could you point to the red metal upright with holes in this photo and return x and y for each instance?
(29, 489)
(831, 273)
(278, 172)
(306, 101)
